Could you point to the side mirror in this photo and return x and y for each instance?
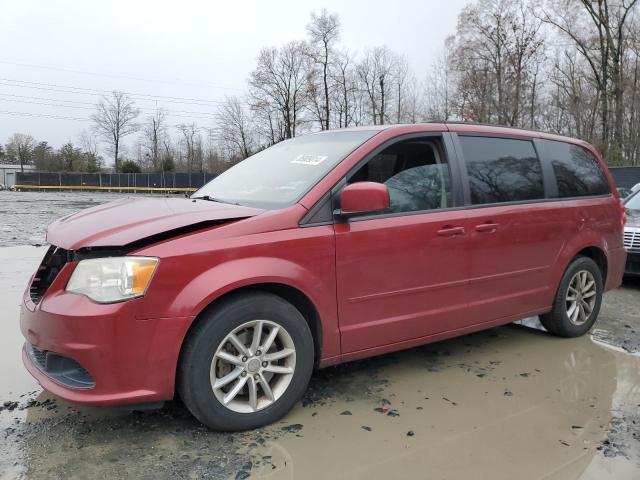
(362, 198)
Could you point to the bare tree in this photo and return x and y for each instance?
(439, 86)
(376, 72)
(278, 84)
(191, 137)
(412, 101)
(268, 119)
(571, 67)
(571, 105)
(599, 30)
(497, 49)
(114, 119)
(324, 31)
(234, 126)
(344, 80)
(20, 146)
(367, 76)
(632, 119)
(214, 156)
(402, 80)
(88, 143)
(153, 130)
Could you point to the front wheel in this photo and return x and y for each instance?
(246, 363)
(577, 301)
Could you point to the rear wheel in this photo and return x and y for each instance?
(577, 301)
(246, 363)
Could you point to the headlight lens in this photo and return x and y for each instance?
(112, 279)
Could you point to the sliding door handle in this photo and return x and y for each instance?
(488, 227)
(451, 231)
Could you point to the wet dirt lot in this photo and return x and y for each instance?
(24, 216)
(510, 402)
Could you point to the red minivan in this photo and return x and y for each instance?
(321, 249)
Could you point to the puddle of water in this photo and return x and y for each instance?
(492, 404)
(18, 264)
(538, 398)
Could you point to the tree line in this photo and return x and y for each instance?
(22, 149)
(570, 67)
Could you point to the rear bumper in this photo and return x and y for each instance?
(129, 360)
(616, 263)
(632, 268)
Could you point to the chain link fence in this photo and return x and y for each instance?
(169, 181)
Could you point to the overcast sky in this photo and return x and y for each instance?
(199, 50)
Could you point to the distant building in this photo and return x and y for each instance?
(8, 173)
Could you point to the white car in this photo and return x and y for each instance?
(632, 233)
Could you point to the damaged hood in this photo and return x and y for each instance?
(128, 220)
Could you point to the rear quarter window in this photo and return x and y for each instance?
(577, 172)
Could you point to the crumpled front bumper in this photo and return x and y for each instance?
(129, 360)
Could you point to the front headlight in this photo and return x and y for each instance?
(112, 279)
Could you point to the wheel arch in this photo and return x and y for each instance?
(597, 255)
(291, 294)
(313, 293)
(592, 249)
(560, 321)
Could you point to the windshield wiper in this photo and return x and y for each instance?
(209, 198)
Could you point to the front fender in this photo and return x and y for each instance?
(200, 291)
(226, 277)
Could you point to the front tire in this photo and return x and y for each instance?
(246, 362)
(578, 299)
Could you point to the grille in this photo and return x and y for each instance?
(632, 239)
(39, 357)
(52, 263)
(63, 370)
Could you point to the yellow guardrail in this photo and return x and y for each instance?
(86, 187)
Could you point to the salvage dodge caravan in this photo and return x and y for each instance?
(322, 249)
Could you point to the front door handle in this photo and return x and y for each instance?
(451, 231)
(488, 227)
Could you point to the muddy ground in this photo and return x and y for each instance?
(510, 402)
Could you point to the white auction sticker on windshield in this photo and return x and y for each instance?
(309, 159)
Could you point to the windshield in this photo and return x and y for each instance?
(280, 175)
(633, 202)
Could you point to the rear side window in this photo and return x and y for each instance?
(578, 173)
(502, 170)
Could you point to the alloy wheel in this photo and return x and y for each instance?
(581, 297)
(253, 366)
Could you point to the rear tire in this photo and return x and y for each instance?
(578, 299)
(246, 362)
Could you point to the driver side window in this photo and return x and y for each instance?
(416, 173)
